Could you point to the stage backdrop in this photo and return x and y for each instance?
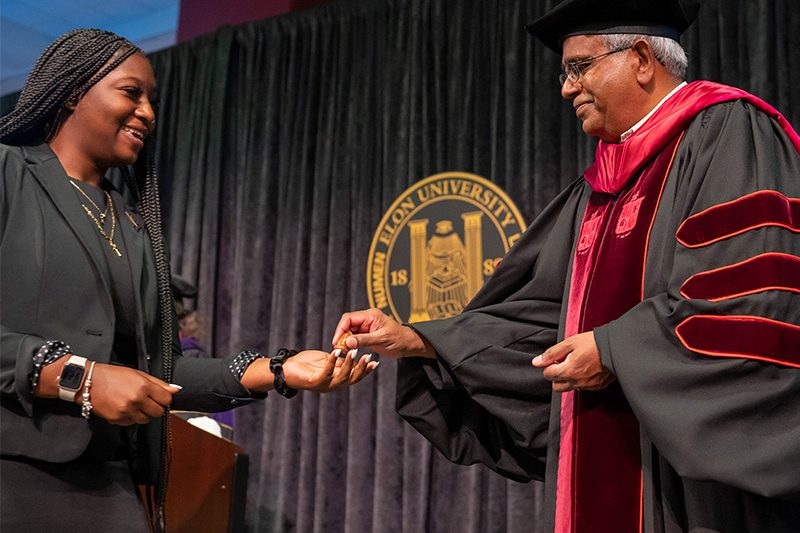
(281, 144)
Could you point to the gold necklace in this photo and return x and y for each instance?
(109, 237)
(103, 214)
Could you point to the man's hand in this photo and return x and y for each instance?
(375, 332)
(574, 364)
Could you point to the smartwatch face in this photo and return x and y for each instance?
(71, 376)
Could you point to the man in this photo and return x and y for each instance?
(672, 271)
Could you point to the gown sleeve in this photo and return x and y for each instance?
(710, 360)
(481, 400)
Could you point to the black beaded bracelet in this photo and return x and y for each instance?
(49, 353)
(242, 361)
(276, 367)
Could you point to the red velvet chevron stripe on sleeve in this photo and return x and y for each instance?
(756, 210)
(770, 271)
(750, 337)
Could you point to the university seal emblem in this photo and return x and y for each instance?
(437, 244)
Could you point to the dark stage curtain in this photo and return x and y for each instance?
(282, 142)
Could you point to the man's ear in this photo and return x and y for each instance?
(646, 68)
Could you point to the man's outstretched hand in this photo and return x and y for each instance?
(373, 331)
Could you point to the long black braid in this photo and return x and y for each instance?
(64, 72)
(150, 209)
(67, 68)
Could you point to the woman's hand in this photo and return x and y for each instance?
(323, 372)
(124, 396)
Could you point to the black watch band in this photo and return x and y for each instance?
(276, 367)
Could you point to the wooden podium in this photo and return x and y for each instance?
(207, 487)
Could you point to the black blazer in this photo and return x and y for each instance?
(52, 287)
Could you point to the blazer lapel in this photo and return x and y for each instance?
(47, 169)
(132, 229)
(133, 232)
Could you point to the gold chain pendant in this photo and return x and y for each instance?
(108, 237)
(102, 214)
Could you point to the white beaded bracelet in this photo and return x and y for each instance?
(86, 405)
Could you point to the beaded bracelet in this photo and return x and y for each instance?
(47, 354)
(241, 362)
(86, 404)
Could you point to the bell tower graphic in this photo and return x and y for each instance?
(445, 271)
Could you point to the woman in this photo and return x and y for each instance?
(90, 360)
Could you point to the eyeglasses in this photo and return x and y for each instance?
(575, 69)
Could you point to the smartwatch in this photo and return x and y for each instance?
(71, 378)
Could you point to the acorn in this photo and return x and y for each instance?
(341, 344)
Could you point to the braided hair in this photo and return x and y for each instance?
(65, 71)
(67, 68)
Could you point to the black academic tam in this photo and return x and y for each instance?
(663, 18)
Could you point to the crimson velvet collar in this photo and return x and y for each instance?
(616, 163)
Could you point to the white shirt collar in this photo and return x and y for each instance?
(638, 125)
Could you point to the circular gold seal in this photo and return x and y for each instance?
(437, 244)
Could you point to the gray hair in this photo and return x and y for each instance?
(667, 51)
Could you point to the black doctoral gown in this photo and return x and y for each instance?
(720, 435)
